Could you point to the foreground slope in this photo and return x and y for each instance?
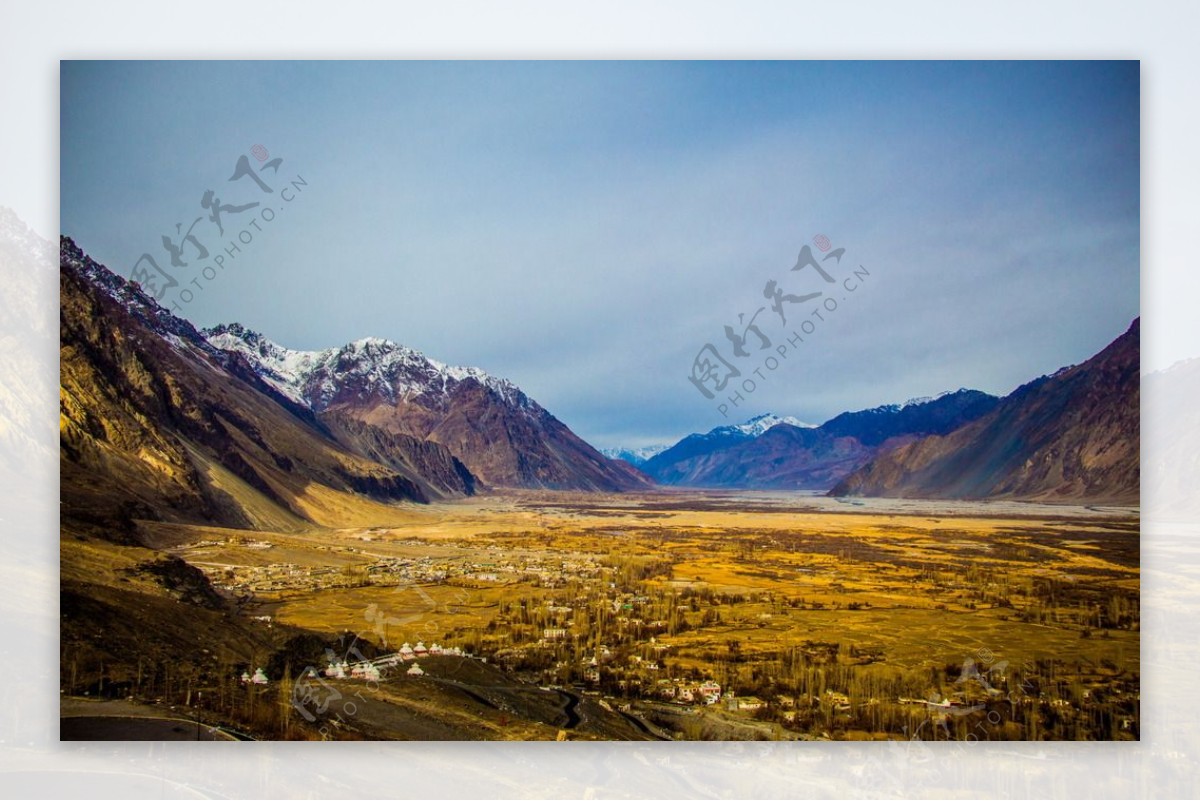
(1072, 436)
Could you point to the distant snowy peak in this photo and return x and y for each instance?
(923, 400)
(374, 367)
(634, 456)
(757, 426)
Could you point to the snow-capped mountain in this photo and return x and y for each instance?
(501, 434)
(156, 423)
(922, 400)
(771, 452)
(757, 426)
(698, 446)
(372, 366)
(635, 456)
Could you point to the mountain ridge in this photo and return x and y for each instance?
(504, 437)
(770, 452)
(1070, 435)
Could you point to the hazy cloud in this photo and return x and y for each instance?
(584, 228)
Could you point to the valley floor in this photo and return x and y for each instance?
(685, 615)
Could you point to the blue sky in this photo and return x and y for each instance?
(584, 228)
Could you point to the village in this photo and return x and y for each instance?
(623, 630)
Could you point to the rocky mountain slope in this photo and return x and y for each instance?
(1070, 436)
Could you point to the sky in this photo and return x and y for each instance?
(586, 229)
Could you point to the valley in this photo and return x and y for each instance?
(670, 614)
(362, 542)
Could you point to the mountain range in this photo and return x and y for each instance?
(161, 421)
(1070, 436)
(372, 388)
(227, 426)
(770, 452)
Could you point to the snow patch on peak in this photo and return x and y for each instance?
(634, 456)
(924, 399)
(377, 367)
(757, 426)
(892, 408)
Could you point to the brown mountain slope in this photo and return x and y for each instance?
(155, 423)
(1071, 436)
(506, 444)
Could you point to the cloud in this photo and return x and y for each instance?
(584, 228)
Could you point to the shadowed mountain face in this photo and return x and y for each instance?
(158, 424)
(773, 453)
(921, 416)
(498, 432)
(1070, 436)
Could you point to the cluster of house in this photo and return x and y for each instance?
(407, 652)
(386, 570)
(367, 671)
(707, 692)
(372, 670)
(272, 577)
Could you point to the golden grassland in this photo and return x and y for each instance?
(912, 585)
(786, 596)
